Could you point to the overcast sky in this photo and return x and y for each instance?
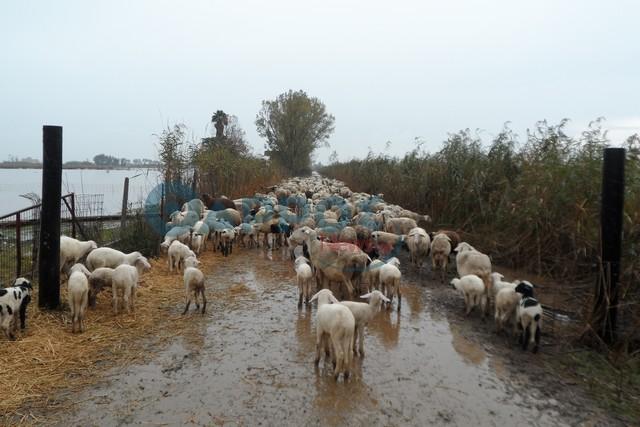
(113, 73)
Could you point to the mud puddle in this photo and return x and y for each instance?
(249, 361)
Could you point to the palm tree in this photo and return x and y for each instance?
(220, 120)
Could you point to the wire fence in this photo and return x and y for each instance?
(81, 216)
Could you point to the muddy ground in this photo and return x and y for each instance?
(249, 361)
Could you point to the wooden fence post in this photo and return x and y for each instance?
(49, 265)
(605, 308)
(125, 201)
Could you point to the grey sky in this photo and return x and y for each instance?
(115, 72)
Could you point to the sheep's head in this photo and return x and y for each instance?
(142, 264)
(376, 298)
(394, 261)
(324, 296)
(191, 261)
(81, 269)
(525, 288)
(464, 247)
(21, 282)
(92, 245)
(455, 283)
(496, 277)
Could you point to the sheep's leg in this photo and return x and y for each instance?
(195, 297)
(525, 338)
(468, 304)
(354, 342)
(204, 301)
(300, 291)
(361, 339)
(115, 298)
(318, 346)
(536, 340)
(339, 356)
(397, 286)
(187, 306)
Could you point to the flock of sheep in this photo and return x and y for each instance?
(342, 243)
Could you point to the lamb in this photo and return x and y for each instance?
(107, 257)
(193, 284)
(72, 251)
(471, 261)
(13, 303)
(418, 242)
(199, 234)
(363, 313)
(530, 321)
(304, 276)
(390, 280)
(100, 278)
(78, 293)
(125, 277)
(506, 302)
(348, 235)
(178, 252)
(454, 236)
(473, 289)
(372, 274)
(245, 230)
(440, 250)
(335, 325)
(226, 241)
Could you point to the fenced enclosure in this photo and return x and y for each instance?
(81, 216)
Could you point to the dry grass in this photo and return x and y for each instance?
(48, 358)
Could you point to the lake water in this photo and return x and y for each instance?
(110, 183)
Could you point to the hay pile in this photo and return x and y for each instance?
(47, 357)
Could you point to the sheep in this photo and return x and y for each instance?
(193, 284)
(246, 230)
(182, 234)
(100, 278)
(348, 235)
(199, 234)
(399, 225)
(390, 280)
(418, 242)
(385, 242)
(440, 250)
(72, 251)
(471, 261)
(178, 252)
(337, 262)
(78, 294)
(126, 277)
(506, 304)
(335, 324)
(107, 257)
(473, 289)
(362, 313)
(372, 274)
(13, 304)
(453, 236)
(226, 241)
(530, 321)
(304, 277)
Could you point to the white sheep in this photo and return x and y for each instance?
(390, 276)
(473, 289)
(363, 313)
(418, 242)
(99, 279)
(193, 284)
(506, 304)
(440, 250)
(78, 296)
(471, 261)
(126, 277)
(177, 253)
(336, 325)
(304, 277)
(180, 233)
(372, 274)
(72, 251)
(199, 235)
(108, 257)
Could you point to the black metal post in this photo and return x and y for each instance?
(49, 268)
(606, 297)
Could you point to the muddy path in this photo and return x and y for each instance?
(249, 361)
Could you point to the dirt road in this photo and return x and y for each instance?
(249, 361)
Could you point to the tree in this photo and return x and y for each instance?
(294, 125)
(233, 138)
(220, 119)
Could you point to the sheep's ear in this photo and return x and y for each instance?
(313, 298)
(366, 295)
(385, 299)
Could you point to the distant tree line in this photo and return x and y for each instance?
(102, 161)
